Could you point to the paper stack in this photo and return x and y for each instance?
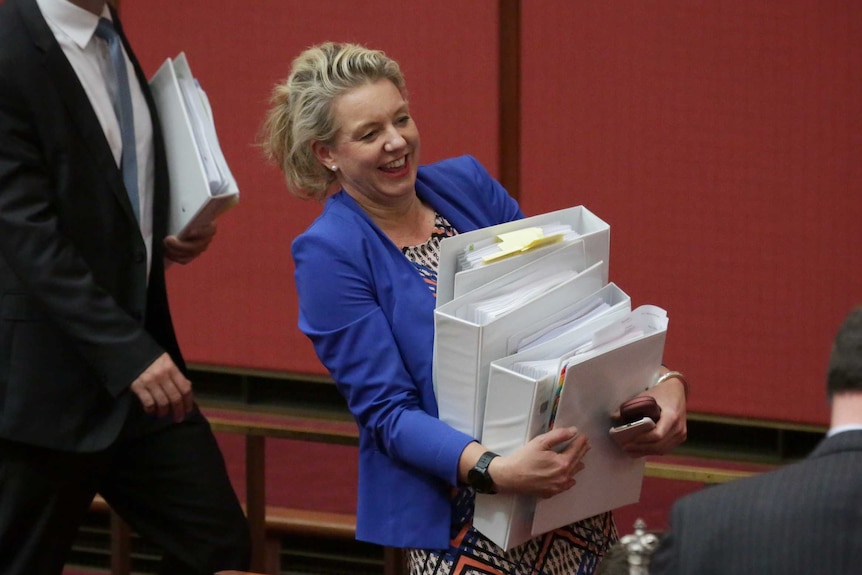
(529, 334)
(202, 186)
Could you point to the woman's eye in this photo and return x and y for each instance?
(368, 136)
(403, 120)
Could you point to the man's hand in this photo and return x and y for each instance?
(192, 244)
(164, 390)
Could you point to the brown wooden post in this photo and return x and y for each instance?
(121, 546)
(255, 503)
(510, 96)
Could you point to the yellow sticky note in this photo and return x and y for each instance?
(521, 241)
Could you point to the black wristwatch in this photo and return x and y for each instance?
(478, 478)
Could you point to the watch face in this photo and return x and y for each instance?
(479, 478)
(481, 482)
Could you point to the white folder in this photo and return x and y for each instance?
(592, 230)
(518, 408)
(464, 349)
(594, 388)
(202, 187)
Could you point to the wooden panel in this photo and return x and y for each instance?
(721, 141)
(236, 306)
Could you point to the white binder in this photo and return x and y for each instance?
(464, 349)
(592, 230)
(518, 407)
(202, 187)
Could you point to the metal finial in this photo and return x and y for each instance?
(639, 548)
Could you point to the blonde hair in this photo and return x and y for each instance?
(301, 109)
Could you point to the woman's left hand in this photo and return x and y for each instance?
(184, 249)
(670, 429)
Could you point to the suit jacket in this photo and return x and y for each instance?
(78, 320)
(801, 519)
(371, 319)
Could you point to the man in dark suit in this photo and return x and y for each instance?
(93, 396)
(804, 518)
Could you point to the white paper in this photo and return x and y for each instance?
(202, 186)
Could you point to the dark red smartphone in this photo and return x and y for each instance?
(637, 415)
(639, 407)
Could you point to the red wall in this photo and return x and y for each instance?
(720, 139)
(236, 306)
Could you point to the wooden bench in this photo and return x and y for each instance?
(256, 426)
(269, 523)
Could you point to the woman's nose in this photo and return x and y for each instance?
(394, 141)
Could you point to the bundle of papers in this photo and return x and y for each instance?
(473, 330)
(569, 319)
(580, 379)
(490, 250)
(203, 128)
(454, 281)
(202, 185)
(530, 334)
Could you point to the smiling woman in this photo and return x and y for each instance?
(366, 272)
(375, 154)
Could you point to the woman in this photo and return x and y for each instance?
(340, 129)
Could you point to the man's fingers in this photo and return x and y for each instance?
(164, 390)
(146, 399)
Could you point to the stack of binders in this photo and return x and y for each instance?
(531, 335)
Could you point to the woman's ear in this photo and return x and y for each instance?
(323, 154)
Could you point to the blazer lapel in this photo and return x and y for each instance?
(161, 183)
(76, 101)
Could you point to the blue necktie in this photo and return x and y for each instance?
(122, 101)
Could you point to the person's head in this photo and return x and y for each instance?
(845, 362)
(341, 116)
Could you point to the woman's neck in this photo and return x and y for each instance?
(409, 224)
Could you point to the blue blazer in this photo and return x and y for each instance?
(371, 319)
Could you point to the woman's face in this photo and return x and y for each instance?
(376, 148)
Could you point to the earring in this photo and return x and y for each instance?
(334, 168)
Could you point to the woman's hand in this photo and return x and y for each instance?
(670, 429)
(546, 466)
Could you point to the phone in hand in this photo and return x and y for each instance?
(637, 415)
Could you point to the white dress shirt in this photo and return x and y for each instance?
(74, 28)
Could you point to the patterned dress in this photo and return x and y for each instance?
(572, 550)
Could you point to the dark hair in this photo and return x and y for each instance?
(845, 362)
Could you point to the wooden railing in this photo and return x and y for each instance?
(268, 523)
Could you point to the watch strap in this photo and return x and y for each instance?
(479, 478)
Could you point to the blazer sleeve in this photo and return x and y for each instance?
(356, 305)
(340, 312)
